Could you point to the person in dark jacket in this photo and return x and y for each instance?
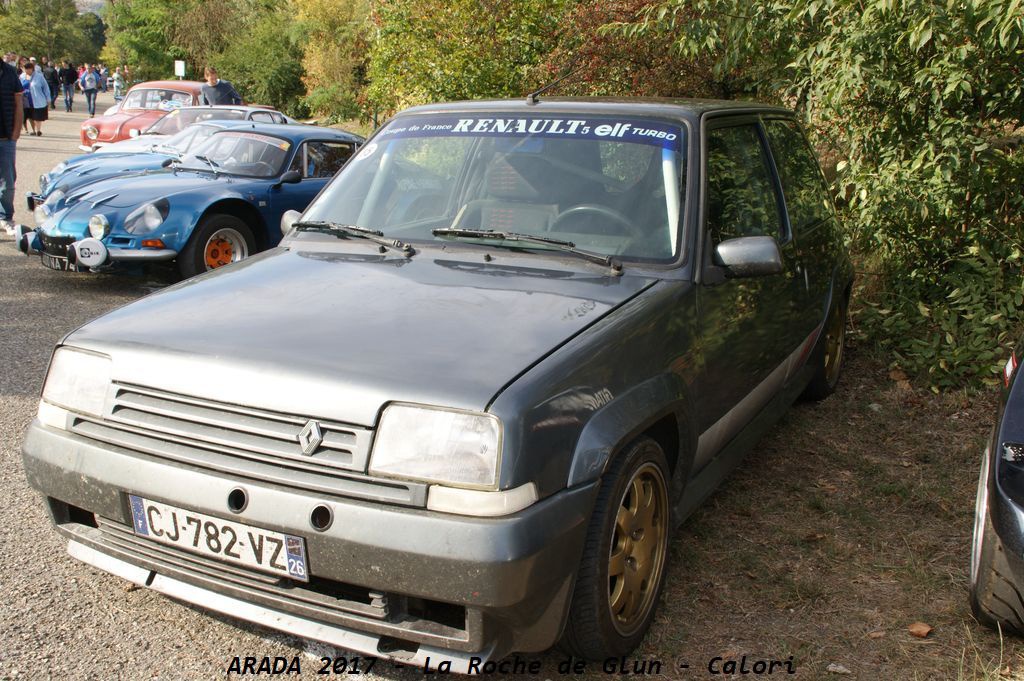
(68, 77)
(49, 72)
(217, 91)
(11, 114)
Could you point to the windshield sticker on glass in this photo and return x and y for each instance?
(633, 131)
(266, 139)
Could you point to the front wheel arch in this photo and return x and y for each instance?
(245, 212)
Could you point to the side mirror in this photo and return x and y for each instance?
(134, 132)
(291, 177)
(749, 256)
(288, 220)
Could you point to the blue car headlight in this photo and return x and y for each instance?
(147, 217)
(46, 178)
(99, 226)
(48, 207)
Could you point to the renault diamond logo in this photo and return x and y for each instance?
(310, 437)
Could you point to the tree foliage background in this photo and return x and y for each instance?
(916, 105)
(50, 28)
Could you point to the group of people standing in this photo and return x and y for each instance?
(27, 91)
(43, 82)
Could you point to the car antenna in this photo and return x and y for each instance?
(532, 97)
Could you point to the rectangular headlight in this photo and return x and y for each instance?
(437, 445)
(78, 380)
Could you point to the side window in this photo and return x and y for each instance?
(299, 160)
(324, 159)
(741, 199)
(262, 117)
(807, 198)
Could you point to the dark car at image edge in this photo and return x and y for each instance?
(997, 546)
(458, 411)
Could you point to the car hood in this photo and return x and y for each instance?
(125, 192)
(103, 167)
(111, 126)
(142, 143)
(336, 336)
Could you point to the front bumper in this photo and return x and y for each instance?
(55, 253)
(426, 583)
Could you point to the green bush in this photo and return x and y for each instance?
(921, 99)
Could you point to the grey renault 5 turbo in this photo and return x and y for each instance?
(459, 410)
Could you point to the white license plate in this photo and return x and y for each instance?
(55, 262)
(265, 550)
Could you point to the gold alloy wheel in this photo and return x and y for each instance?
(637, 555)
(835, 335)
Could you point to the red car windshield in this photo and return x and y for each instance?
(156, 98)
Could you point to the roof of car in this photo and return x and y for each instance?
(230, 107)
(651, 106)
(182, 85)
(295, 132)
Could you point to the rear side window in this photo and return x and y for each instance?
(807, 198)
(741, 198)
(324, 159)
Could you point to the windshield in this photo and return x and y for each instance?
(190, 137)
(239, 153)
(610, 186)
(179, 119)
(157, 98)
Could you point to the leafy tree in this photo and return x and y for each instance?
(921, 99)
(205, 28)
(334, 58)
(610, 63)
(265, 63)
(45, 28)
(93, 37)
(430, 50)
(141, 31)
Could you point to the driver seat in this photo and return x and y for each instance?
(516, 187)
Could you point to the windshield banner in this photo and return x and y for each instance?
(633, 131)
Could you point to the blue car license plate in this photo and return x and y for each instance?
(55, 262)
(265, 550)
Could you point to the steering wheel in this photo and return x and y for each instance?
(255, 167)
(620, 220)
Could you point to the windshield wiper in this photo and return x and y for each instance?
(213, 164)
(341, 230)
(560, 244)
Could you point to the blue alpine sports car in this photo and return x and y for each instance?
(218, 204)
(79, 171)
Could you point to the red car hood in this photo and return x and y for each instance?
(116, 127)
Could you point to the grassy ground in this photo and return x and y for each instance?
(850, 522)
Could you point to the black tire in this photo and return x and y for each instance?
(193, 258)
(996, 600)
(828, 356)
(592, 631)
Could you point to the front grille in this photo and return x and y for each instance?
(245, 442)
(257, 434)
(56, 245)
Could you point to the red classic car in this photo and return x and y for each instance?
(142, 105)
